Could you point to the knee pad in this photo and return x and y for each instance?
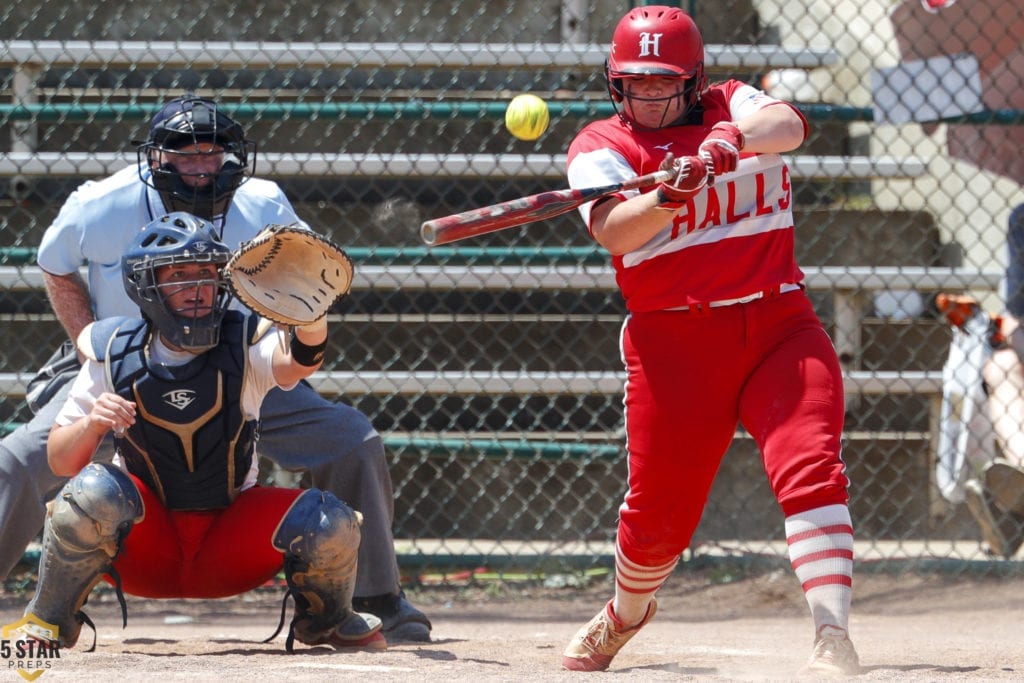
(318, 528)
(95, 509)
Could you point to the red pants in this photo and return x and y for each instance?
(692, 377)
(204, 554)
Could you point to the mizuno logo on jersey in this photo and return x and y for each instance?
(758, 97)
(180, 398)
(664, 147)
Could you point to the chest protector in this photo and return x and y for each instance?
(190, 444)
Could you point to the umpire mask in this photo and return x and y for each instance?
(196, 157)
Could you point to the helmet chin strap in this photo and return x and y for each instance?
(682, 118)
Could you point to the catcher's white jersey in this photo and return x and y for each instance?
(100, 219)
(734, 238)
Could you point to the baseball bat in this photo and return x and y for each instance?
(535, 207)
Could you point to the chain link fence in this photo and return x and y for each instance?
(491, 367)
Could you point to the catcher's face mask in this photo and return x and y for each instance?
(189, 289)
(172, 271)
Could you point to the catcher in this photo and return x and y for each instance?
(197, 159)
(178, 515)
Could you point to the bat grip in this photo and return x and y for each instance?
(648, 180)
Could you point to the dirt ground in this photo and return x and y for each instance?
(708, 627)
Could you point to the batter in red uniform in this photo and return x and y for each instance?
(719, 332)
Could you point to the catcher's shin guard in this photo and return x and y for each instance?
(84, 531)
(319, 536)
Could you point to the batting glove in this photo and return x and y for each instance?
(691, 176)
(721, 148)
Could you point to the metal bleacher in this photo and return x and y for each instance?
(842, 282)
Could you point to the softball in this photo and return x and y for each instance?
(527, 117)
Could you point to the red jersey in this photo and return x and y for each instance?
(732, 239)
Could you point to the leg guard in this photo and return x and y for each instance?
(319, 536)
(89, 520)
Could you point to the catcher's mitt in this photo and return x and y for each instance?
(289, 274)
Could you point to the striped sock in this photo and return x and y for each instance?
(821, 552)
(635, 585)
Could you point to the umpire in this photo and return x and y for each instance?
(196, 159)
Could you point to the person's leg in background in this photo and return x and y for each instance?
(996, 498)
(1004, 373)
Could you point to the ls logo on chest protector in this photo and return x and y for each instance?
(180, 398)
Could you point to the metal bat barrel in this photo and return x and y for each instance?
(497, 217)
(523, 210)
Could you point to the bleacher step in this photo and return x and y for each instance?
(859, 237)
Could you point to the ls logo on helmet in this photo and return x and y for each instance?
(650, 44)
(180, 398)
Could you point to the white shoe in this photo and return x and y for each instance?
(833, 654)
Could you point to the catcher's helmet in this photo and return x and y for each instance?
(183, 123)
(175, 239)
(657, 40)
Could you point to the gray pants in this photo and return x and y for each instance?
(300, 431)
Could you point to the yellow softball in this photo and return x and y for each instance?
(527, 117)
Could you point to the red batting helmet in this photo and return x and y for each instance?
(657, 40)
